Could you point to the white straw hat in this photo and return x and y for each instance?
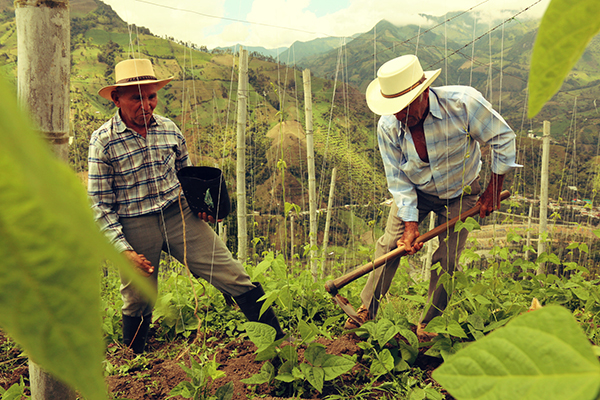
(133, 72)
(399, 82)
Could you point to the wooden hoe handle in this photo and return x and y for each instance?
(333, 286)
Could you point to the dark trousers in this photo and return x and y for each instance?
(447, 253)
(207, 256)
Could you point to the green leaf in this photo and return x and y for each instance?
(266, 374)
(482, 300)
(225, 392)
(437, 324)
(580, 292)
(183, 389)
(477, 321)
(443, 324)
(15, 392)
(470, 224)
(334, 366)
(409, 336)
(455, 329)
(307, 332)
(314, 375)
(565, 30)
(262, 335)
(285, 372)
(289, 353)
(268, 301)
(415, 298)
(51, 252)
(315, 354)
(496, 325)
(262, 266)
(383, 364)
(539, 355)
(385, 331)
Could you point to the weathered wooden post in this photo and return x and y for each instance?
(242, 102)
(310, 157)
(544, 194)
(328, 219)
(44, 46)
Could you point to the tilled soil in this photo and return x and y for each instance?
(161, 370)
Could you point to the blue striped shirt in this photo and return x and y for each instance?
(459, 119)
(130, 175)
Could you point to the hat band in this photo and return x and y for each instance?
(137, 78)
(402, 93)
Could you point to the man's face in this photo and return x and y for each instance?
(137, 103)
(415, 112)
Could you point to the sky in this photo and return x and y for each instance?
(279, 23)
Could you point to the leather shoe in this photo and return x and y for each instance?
(423, 335)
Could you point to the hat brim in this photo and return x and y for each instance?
(385, 106)
(107, 90)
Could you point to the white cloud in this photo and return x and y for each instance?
(185, 20)
(276, 23)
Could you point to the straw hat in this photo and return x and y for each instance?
(133, 72)
(399, 82)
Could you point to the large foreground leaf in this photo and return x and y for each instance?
(539, 355)
(565, 30)
(50, 252)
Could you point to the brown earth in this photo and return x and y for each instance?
(160, 371)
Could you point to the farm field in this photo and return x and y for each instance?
(202, 347)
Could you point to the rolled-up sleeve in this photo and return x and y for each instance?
(102, 196)
(488, 127)
(401, 188)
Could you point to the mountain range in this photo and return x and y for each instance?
(493, 58)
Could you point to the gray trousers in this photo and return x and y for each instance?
(447, 253)
(207, 256)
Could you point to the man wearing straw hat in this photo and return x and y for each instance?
(429, 140)
(133, 162)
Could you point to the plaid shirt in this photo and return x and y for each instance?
(459, 119)
(130, 175)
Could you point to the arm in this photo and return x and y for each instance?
(100, 178)
(490, 199)
(100, 181)
(400, 186)
(487, 126)
(411, 232)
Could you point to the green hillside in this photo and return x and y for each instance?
(500, 71)
(202, 100)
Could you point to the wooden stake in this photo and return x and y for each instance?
(44, 68)
(328, 220)
(310, 156)
(544, 194)
(241, 156)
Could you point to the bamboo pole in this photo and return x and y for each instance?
(241, 156)
(328, 219)
(544, 194)
(310, 156)
(43, 43)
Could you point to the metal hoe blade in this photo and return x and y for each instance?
(346, 307)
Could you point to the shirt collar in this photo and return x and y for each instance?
(120, 124)
(434, 104)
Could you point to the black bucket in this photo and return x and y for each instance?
(205, 190)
